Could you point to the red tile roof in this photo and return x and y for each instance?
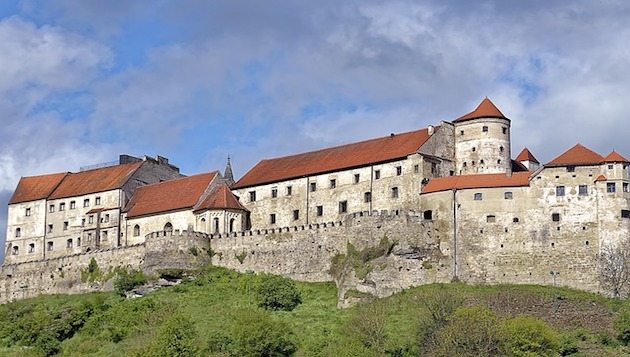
(526, 155)
(358, 154)
(36, 187)
(615, 157)
(180, 193)
(485, 109)
(476, 181)
(579, 155)
(601, 178)
(93, 181)
(220, 198)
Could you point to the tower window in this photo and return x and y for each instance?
(504, 129)
(501, 149)
(69, 243)
(343, 206)
(18, 232)
(65, 225)
(27, 212)
(416, 169)
(625, 187)
(499, 161)
(296, 214)
(274, 192)
(16, 250)
(484, 129)
(394, 192)
(427, 215)
(433, 167)
(461, 132)
(50, 228)
(474, 149)
(272, 218)
(31, 248)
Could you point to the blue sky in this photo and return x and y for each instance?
(197, 80)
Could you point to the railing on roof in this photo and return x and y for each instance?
(98, 166)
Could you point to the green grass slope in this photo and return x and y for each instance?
(216, 312)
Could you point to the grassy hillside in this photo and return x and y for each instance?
(216, 313)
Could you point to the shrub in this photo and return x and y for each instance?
(241, 257)
(277, 293)
(47, 344)
(255, 333)
(622, 326)
(367, 325)
(176, 338)
(528, 336)
(126, 280)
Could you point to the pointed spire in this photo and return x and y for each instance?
(526, 155)
(228, 175)
(485, 109)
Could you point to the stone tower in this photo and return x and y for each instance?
(482, 141)
(228, 175)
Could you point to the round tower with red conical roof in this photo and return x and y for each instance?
(482, 141)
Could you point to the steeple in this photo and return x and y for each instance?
(228, 175)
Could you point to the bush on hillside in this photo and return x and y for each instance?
(277, 293)
(176, 338)
(126, 280)
(529, 336)
(622, 326)
(255, 333)
(367, 325)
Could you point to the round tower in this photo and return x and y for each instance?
(482, 141)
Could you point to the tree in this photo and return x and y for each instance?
(615, 268)
(176, 338)
(278, 293)
(367, 325)
(256, 333)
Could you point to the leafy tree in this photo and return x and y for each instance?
(278, 293)
(176, 338)
(528, 336)
(255, 333)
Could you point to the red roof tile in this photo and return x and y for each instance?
(180, 193)
(485, 109)
(526, 155)
(97, 180)
(220, 198)
(36, 187)
(601, 178)
(615, 157)
(476, 181)
(358, 154)
(576, 156)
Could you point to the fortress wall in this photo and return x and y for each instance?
(175, 250)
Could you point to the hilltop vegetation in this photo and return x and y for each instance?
(223, 313)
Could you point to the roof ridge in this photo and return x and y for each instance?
(485, 109)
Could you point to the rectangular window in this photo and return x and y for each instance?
(16, 250)
(611, 187)
(478, 196)
(356, 178)
(272, 218)
(62, 206)
(27, 212)
(625, 187)
(106, 219)
(583, 190)
(89, 237)
(83, 222)
(555, 217)
(398, 170)
(289, 190)
(51, 208)
(394, 192)
(504, 130)
(484, 129)
(570, 168)
(296, 214)
(50, 246)
(508, 195)
(274, 192)
(313, 186)
(78, 241)
(252, 196)
(320, 211)
(31, 248)
(104, 235)
(625, 213)
(416, 169)
(65, 225)
(97, 201)
(50, 228)
(433, 168)
(559, 190)
(367, 197)
(69, 243)
(343, 206)
(610, 167)
(377, 174)
(91, 219)
(491, 219)
(73, 205)
(86, 202)
(333, 183)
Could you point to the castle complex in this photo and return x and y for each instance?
(450, 195)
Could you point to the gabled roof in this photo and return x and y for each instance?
(93, 181)
(220, 198)
(36, 187)
(476, 181)
(177, 194)
(526, 155)
(601, 178)
(615, 157)
(485, 109)
(358, 154)
(579, 155)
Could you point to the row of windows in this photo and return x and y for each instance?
(73, 205)
(611, 187)
(484, 129)
(501, 149)
(50, 246)
(481, 162)
(506, 195)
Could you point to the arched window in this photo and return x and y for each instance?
(231, 225)
(168, 227)
(215, 224)
(136, 230)
(18, 232)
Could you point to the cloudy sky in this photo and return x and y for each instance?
(85, 80)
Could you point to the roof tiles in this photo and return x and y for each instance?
(93, 181)
(476, 181)
(220, 198)
(485, 109)
(615, 157)
(36, 187)
(578, 155)
(180, 193)
(358, 154)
